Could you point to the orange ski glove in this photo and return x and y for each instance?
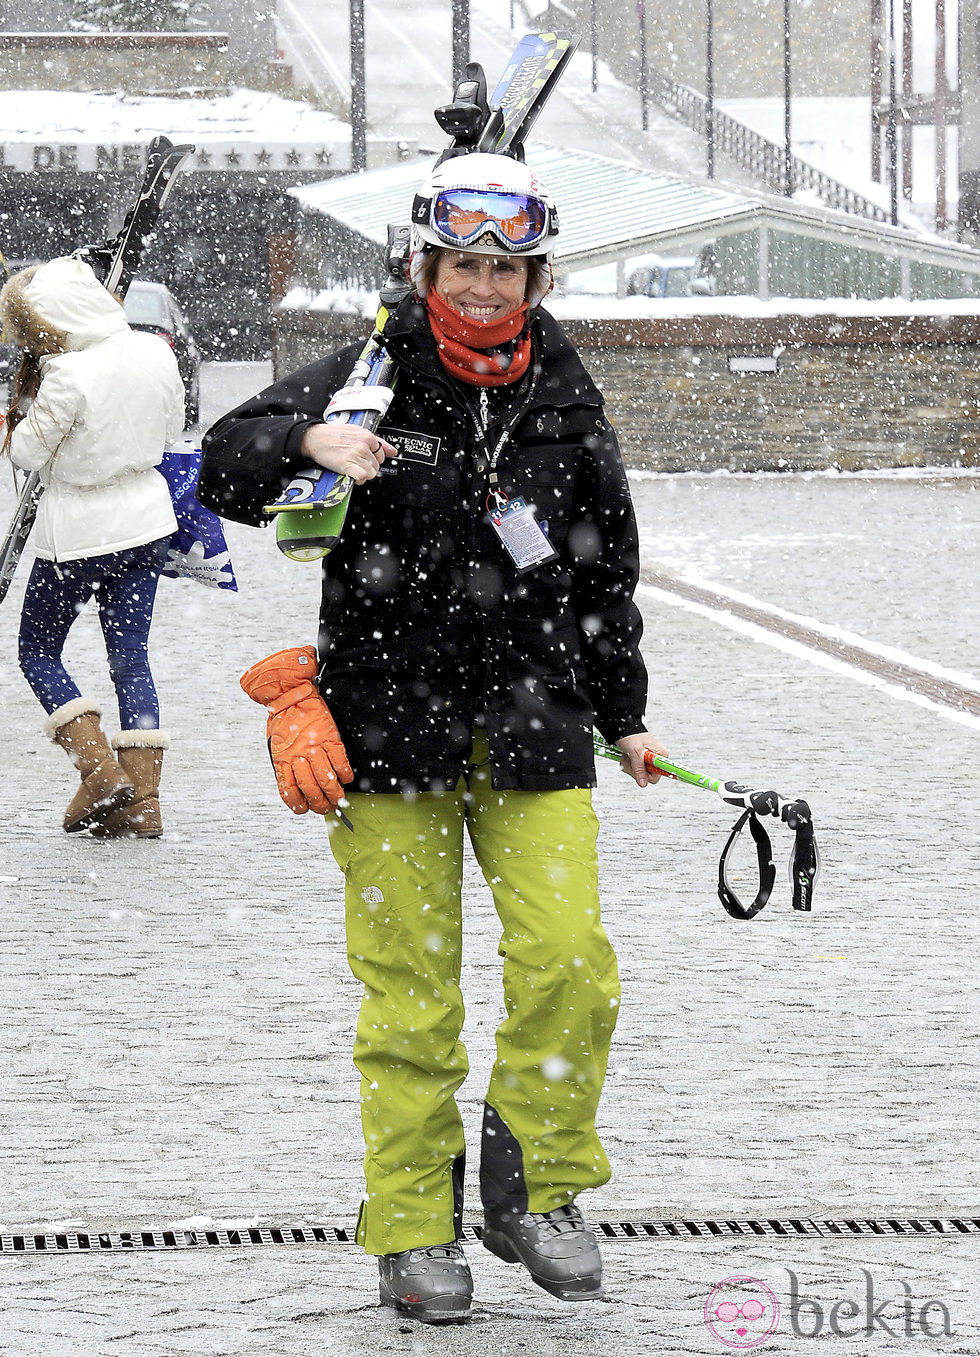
(304, 742)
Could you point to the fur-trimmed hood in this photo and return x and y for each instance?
(64, 297)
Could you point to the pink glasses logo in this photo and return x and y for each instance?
(741, 1312)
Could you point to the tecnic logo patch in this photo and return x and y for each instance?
(413, 447)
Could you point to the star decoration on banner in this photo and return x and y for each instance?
(233, 158)
(204, 158)
(293, 156)
(323, 156)
(262, 157)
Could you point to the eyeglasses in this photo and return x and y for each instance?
(460, 216)
(750, 1309)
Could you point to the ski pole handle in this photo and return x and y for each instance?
(656, 763)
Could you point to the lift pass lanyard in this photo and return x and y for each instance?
(512, 520)
(514, 523)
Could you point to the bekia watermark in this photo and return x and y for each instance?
(898, 1316)
(742, 1312)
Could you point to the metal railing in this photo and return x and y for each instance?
(762, 158)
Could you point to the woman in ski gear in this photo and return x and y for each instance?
(94, 405)
(477, 621)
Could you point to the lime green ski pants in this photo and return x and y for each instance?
(403, 866)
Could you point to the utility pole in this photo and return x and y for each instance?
(876, 63)
(906, 99)
(644, 81)
(891, 130)
(710, 91)
(358, 94)
(941, 116)
(967, 81)
(787, 121)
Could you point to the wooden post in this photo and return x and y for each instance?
(282, 264)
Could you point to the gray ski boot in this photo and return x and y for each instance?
(431, 1284)
(557, 1247)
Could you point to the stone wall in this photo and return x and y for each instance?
(846, 392)
(825, 390)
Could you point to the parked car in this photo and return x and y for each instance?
(657, 277)
(151, 307)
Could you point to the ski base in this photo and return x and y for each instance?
(313, 534)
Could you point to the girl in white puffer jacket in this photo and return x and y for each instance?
(94, 406)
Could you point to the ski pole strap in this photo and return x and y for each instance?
(767, 870)
(804, 866)
(804, 858)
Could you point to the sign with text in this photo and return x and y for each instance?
(112, 157)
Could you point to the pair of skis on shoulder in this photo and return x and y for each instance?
(310, 512)
(114, 264)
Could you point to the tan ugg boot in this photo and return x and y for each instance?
(141, 756)
(105, 786)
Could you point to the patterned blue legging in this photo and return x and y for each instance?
(125, 585)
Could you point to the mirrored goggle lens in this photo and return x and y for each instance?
(461, 215)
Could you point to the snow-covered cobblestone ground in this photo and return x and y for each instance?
(176, 1015)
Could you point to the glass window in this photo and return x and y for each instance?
(144, 307)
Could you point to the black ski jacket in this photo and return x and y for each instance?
(426, 627)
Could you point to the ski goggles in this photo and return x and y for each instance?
(461, 216)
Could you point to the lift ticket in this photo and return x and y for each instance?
(521, 533)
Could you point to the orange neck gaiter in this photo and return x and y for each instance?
(471, 350)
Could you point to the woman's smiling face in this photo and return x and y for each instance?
(482, 287)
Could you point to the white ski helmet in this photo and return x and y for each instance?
(484, 204)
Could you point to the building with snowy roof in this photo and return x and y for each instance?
(614, 215)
